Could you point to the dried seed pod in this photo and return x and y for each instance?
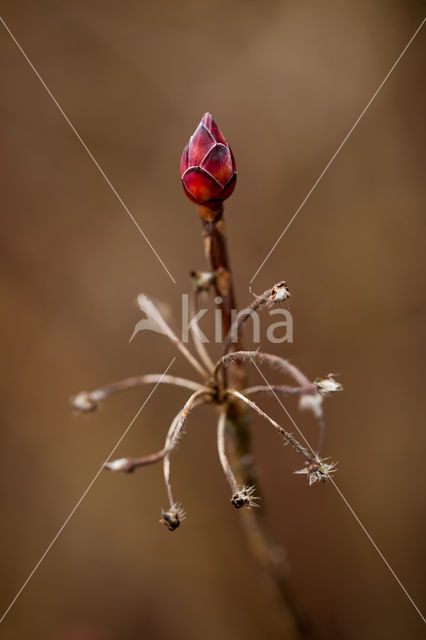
(173, 517)
(318, 470)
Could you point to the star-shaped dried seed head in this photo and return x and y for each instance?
(328, 385)
(280, 292)
(173, 517)
(244, 498)
(317, 470)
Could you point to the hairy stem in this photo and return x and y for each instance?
(273, 361)
(222, 453)
(274, 388)
(199, 344)
(152, 313)
(137, 381)
(287, 436)
(127, 465)
(166, 461)
(310, 395)
(173, 436)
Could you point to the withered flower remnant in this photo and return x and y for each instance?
(328, 385)
(244, 498)
(173, 517)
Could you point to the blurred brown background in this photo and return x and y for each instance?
(285, 81)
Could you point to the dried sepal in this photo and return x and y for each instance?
(157, 323)
(328, 385)
(244, 498)
(276, 294)
(311, 402)
(318, 470)
(173, 517)
(201, 280)
(84, 402)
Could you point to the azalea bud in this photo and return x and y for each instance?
(207, 165)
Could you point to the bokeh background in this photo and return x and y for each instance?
(285, 81)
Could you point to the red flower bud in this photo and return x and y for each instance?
(207, 165)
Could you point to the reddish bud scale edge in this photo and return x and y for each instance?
(207, 167)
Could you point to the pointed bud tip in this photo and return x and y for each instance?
(207, 119)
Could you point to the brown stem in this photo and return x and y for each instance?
(152, 313)
(275, 388)
(309, 389)
(262, 546)
(272, 360)
(172, 436)
(216, 250)
(86, 401)
(222, 453)
(199, 344)
(287, 436)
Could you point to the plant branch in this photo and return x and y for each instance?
(216, 250)
(172, 436)
(199, 344)
(222, 453)
(280, 364)
(259, 539)
(89, 400)
(277, 388)
(287, 436)
(127, 465)
(310, 399)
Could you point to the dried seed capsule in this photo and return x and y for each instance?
(173, 517)
(317, 470)
(244, 498)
